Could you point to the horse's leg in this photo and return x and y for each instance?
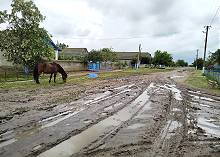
(37, 80)
(50, 77)
(55, 74)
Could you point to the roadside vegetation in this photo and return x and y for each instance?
(197, 80)
(80, 79)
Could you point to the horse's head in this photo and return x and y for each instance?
(62, 71)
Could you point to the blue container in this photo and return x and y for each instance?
(92, 75)
(94, 66)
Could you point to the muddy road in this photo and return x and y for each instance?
(147, 115)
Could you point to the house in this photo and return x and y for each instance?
(126, 57)
(71, 53)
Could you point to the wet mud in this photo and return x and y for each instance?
(148, 115)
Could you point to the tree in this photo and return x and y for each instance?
(134, 61)
(181, 63)
(199, 63)
(62, 45)
(162, 58)
(108, 54)
(214, 58)
(23, 41)
(102, 55)
(94, 56)
(145, 59)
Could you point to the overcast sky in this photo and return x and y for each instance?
(171, 25)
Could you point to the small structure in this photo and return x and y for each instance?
(93, 67)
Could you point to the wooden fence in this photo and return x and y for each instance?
(8, 74)
(214, 74)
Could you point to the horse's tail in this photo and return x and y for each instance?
(35, 74)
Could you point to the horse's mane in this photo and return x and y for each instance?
(60, 69)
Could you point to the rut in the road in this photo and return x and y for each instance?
(48, 131)
(143, 134)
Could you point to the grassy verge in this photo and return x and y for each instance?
(197, 80)
(79, 79)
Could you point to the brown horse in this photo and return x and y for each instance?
(48, 68)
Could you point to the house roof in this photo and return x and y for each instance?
(130, 55)
(74, 51)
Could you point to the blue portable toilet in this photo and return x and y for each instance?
(94, 66)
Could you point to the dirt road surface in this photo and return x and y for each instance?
(148, 115)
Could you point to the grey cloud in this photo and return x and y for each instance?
(158, 7)
(68, 30)
(133, 10)
(138, 12)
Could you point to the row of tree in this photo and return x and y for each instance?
(107, 54)
(161, 58)
(213, 58)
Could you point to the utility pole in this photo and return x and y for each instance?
(206, 39)
(197, 59)
(139, 54)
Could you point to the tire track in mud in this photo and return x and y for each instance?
(101, 110)
(119, 92)
(203, 135)
(56, 118)
(135, 127)
(112, 123)
(165, 144)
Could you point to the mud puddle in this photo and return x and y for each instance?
(176, 76)
(203, 118)
(135, 126)
(104, 127)
(210, 128)
(174, 90)
(205, 112)
(170, 128)
(12, 136)
(65, 112)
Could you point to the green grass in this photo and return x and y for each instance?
(14, 77)
(197, 80)
(78, 79)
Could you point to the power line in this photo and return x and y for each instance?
(212, 20)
